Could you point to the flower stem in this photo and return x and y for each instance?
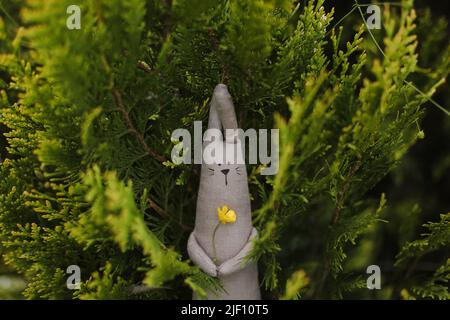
(214, 243)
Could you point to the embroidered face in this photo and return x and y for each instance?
(226, 173)
(223, 164)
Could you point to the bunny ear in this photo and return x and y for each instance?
(214, 132)
(225, 108)
(214, 120)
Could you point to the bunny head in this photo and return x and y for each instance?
(223, 161)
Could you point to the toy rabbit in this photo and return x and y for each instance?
(223, 232)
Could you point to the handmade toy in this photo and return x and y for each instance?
(223, 233)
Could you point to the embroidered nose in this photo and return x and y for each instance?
(225, 172)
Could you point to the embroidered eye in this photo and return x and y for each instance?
(211, 171)
(238, 172)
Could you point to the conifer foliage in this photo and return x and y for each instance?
(86, 122)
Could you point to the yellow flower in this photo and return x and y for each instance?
(226, 215)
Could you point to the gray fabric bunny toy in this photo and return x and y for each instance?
(223, 232)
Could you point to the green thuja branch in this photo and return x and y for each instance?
(427, 96)
(436, 239)
(121, 107)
